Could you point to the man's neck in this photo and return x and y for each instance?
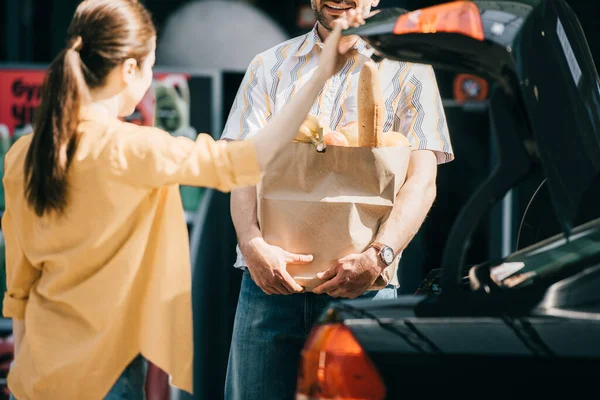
(345, 43)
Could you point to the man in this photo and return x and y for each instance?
(274, 316)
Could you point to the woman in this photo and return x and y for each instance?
(98, 271)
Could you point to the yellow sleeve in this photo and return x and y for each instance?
(153, 158)
(20, 274)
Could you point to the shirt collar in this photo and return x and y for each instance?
(312, 40)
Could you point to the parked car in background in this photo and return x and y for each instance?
(523, 325)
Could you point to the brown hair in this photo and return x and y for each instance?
(102, 35)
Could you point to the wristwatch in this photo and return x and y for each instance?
(385, 253)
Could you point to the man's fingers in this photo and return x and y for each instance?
(276, 289)
(285, 285)
(291, 258)
(327, 286)
(350, 295)
(289, 283)
(335, 293)
(266, 289)
(328, 274)
(346, 259)
(342, 293)
(283, 289)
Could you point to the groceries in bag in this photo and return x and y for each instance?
(332, 204)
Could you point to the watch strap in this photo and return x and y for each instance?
(379, 247)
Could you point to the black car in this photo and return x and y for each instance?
(527, 324)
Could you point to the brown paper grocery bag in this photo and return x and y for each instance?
(329, 204)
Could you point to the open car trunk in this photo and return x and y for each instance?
(536, 313)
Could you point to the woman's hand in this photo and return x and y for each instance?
(335, 54)
(284, 126)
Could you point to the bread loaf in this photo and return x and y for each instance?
(393, 139)
(313, 131)
(350, 130)
(305, 135)
(370, 107)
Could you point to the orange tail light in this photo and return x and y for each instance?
(335, 366)
(461, 17)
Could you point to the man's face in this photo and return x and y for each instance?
(328, 11)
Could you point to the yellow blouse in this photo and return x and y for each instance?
(110, 279)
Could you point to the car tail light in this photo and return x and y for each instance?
(335, 366)
(461, 17)
(469, 87)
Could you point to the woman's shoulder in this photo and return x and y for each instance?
(105, 135)
(130, 128)
(114, 127)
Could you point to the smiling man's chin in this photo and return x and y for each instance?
(330, 11)
(327, 19)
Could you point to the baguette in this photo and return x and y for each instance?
(370, 107)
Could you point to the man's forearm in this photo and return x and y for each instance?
(413, 202)
(243, 214)
(411, 207)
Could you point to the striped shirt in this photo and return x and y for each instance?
(413, 105)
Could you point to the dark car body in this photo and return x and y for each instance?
(528, 323)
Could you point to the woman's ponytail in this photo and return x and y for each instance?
(102, 35)
(55, 135)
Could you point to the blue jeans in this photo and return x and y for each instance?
(268, 335)
(131, 383)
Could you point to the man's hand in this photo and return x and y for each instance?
(268, 266)
(353, 275)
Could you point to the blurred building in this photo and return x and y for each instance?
(216, 34)
(34, 30)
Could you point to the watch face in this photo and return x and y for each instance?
(387, 255)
